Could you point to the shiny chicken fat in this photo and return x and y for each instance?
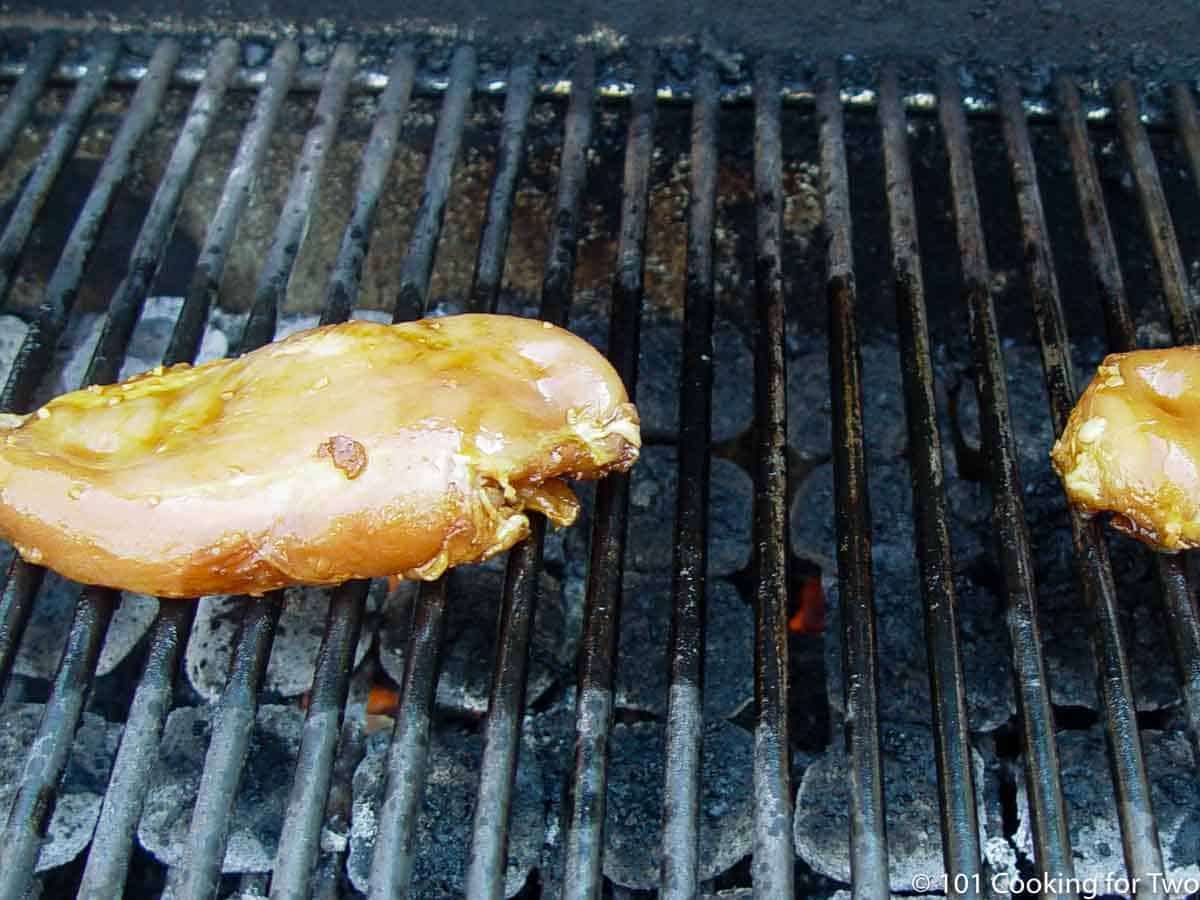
(349, 451)
(1132, 446)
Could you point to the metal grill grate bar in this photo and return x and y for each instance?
(22, 582)
(1183, 623)
(1138, 830)
(57, 152)
(1043, 780)
(48, 757)
(1189, 127)
(408, 755)
(488, 856)
(774, 854)
(300, 841)
(606, 568)
(960, 820)
(33, 80)
(345, 280)
(112, 842)
(210, 266)
(126, 304)
(685, 710)
(37, 351)
(868, 835)
(1154, 209)
(1102, 248)
(200, 875)
(417, 267)
(297, 209)
(299, 846)
(486, 862)
(497, 220)
(559, 279)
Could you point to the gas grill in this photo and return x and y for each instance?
(650, 701)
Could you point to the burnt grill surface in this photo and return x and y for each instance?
(877, 242)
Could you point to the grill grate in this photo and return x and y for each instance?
(774, 864)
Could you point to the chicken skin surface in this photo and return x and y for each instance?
(1132, 446)
(349, 451)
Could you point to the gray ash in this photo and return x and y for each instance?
(262, 794)
(77, 804)
(658, 381)
(900, 633)
(1063, 613)
(642, 665)
(1067, 640)
(294, 651)
(813, 529)
(1092, 810)
(810, 414)
(146, 346)
(473, 599)
(633, 828)
(444, 823)
(652, 496)
(50, 621)
(12, 335)
(911, 797)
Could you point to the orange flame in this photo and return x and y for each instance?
(809, 617)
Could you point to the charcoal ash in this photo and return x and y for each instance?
(1000, 855)
(12, 335)
(443, 829)
(262, 794)
(1029, 407)
(649, 545)
(146, 346)
(813, 528)
(633, 828)
(810, 411)
(551, 733)
(474, 595)
(642, 679)
(1092, 810)
(969, 504)
(911, 796)
(968, 491)
(1068, 649)
(904, 695)
(294, 651)
(659, 370)
(81, 789)
(50, 622)
(1063, 613)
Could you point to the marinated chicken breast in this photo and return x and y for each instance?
(348, 451)
(1132, 446)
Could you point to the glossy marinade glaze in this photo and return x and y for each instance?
(1132, 446)
(349, 451)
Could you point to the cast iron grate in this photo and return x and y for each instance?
(307, 862)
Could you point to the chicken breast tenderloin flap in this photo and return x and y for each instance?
(349, 451)
(1132, 446)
